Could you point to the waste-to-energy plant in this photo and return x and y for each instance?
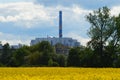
(55, 40)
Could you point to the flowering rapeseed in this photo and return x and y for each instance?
(59, 73)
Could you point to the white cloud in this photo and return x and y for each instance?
(29, 14)
(16, 42)
(82, 40)
(115, 10)
(26, 13)
(80, 11)
(14, 39)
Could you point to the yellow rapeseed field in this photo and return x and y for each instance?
(59, 73)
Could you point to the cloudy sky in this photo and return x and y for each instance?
(23, 20)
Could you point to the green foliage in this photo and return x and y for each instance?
(80, 56)
(101, 32)
(74, 57)
(61, 60)
(50, 62)
(55, 64)
(19, 56)
(34, 58)
(6, 54)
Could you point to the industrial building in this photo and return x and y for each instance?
(69, 42)
(53, 41)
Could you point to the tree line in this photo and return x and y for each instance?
(41, 54)
(103, 50)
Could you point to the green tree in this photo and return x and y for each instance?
(74, 57)
(45, 50)
(34, 59)
(114, 43)
(50, 62)
(86, 57)
(100, 31)
(61, 60)
(6, 54)
(45, 46)
(18, 57)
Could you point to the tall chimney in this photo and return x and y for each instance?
(60, 24)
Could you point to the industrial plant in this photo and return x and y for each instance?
(65, 41)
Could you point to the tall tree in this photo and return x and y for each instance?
(100, 30)
(114, 44)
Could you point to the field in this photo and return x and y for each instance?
(59, 74)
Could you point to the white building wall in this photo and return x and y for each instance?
(53, 41)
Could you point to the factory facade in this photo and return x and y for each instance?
(53, 41)
(68, 42)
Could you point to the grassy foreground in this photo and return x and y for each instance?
(59, 74)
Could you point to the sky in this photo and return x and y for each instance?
(24, 20)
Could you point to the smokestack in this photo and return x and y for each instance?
(60, 24)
